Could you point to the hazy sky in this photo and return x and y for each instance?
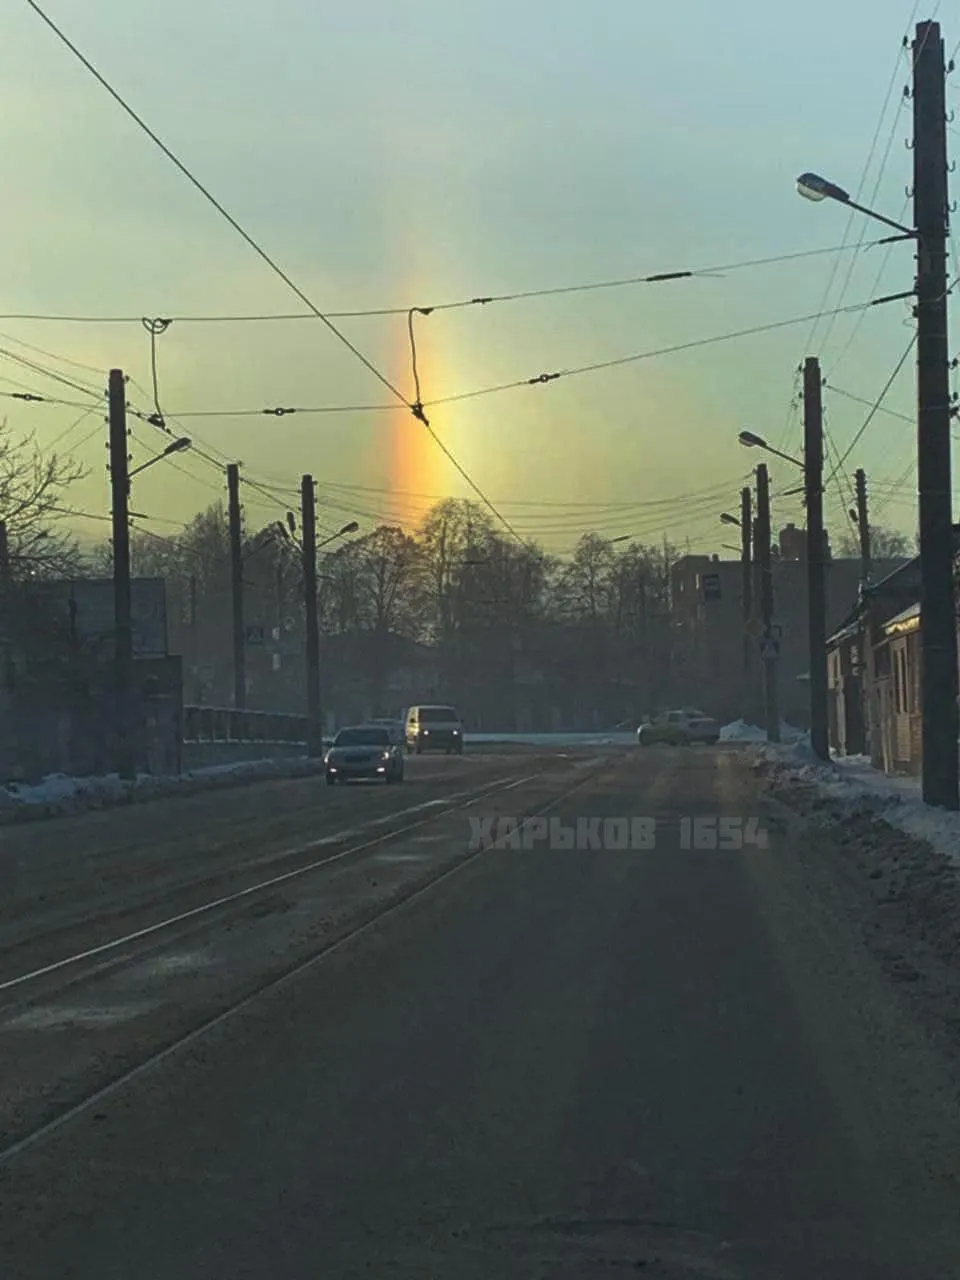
(392, 153)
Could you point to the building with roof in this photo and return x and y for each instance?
(874, 667)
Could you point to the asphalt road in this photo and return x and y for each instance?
(552, 1064)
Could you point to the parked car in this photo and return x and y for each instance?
(679, 728)
(364, 751)
(434, 728)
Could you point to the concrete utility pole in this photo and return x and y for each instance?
(746, 595)
(236, 578)
(309, 522)
(941, 758)
(762, 529)
(122, 601)
(863, 525)
(816, 586)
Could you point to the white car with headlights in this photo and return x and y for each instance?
(365, 751)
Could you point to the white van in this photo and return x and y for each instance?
(434, 728)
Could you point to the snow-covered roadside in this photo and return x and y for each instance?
(892, 860)
(849, 787)
(60, 795)
(741, 731)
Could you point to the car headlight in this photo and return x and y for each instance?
(385, 755)
(456, 733)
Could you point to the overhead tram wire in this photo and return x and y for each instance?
(855, 330)
(210, 197)
(520, 295)
(822, 313)
(541, 378)
(877, 404)
(416, 410)
(865, 225)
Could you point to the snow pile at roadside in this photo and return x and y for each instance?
(613, 738)
(849, 786)
(741, 731)
(59, 794)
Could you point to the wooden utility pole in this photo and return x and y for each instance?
(122, 595)
(769, 642)
(938, 625)
(309, 524)
(816, 586)
(746, 596)
(863, 525)
(236, 578)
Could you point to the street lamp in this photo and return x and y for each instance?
(350, 527)
(812, 187)
(727, 518)
(812, 489)
(752, 441)
(176, 446)
(931, 202)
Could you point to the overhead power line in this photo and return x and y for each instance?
(271, 262)
(211, 198)
(520, 295)
(848, 395)
(875, 408)
(720, 489)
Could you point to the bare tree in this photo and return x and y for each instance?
(454, 532)
(885, 544)
(33, 507)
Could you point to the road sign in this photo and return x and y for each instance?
(710, 582)
(769, 647)
(254, 635)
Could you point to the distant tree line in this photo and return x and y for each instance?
(453, 609)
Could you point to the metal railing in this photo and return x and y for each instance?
(226, 724)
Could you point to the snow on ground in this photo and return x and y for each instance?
(741, 731)
(614, 738)
(851, 786)
(59, 794)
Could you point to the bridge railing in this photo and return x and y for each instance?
(227, 724)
